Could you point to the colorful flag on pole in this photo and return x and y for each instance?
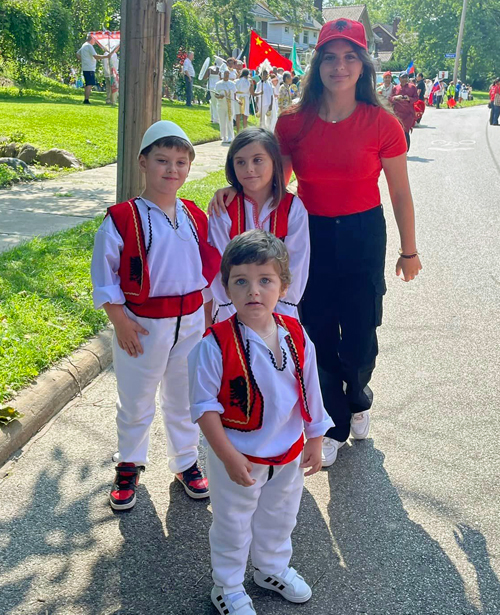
(260, 51)
(295, 61)
(411, 69)
(435, 88)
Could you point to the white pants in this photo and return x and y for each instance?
(214, 114)
(163, 363)
(225, 123)
(266, 120)
(257, 519)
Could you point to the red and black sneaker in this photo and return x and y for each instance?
(122, 496)
(194, 483)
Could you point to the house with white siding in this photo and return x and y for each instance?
(278, 32)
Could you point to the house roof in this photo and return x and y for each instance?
(353, 12)
(260, 9)
(386, 28)
(356, 12)
(385, 56)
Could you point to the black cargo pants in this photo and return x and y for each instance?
(342, 308)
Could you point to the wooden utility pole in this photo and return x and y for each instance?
(142, 36)
(459, 42)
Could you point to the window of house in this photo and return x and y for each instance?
(287, 30)
(263, 29)
(306, 37)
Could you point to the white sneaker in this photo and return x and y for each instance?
(241, 604)
(291, 586)
(329, 451)
(360, 425)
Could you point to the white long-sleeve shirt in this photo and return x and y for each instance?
(174, 261)
(297, 243)
(282, 422)
(265, 93)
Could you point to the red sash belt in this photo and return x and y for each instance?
(281, 460)
(168, 307)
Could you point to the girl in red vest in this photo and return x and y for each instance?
(150, 264)
(255, 170)
(254, 391)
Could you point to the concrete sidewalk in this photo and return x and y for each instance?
(41, 208)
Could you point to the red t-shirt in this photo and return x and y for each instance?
(338, 165)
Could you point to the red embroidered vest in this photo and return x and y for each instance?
(134, 270)
(278, 222)
(239, 394)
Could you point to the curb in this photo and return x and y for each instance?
(53, 390)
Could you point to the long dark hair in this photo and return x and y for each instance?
(268, 140)
(312, 87)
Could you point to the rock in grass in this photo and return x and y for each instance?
(59, 158)
(10, 150)
(28, 153)
(18, 165)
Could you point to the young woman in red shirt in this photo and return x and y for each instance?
(337, 140)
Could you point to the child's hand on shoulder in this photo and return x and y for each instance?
(238, 467)
(312, 456)
(127, 334)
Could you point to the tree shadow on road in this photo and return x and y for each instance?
(45, 537)
(391, 566)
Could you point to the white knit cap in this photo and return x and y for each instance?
(162, 129)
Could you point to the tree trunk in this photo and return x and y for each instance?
(143, 29)
(237, 33)
(463, 64)
(228, 39)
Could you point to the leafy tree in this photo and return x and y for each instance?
(231, 20)
(187, 32)
(429, 30)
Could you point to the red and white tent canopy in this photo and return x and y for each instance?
(108, 41)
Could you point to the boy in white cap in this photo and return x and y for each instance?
(150, 266)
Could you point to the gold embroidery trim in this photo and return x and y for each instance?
(190, 216)
(138, 237)
(241, 204)
(247, 379)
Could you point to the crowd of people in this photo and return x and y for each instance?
(235, 92)
(258, 323)
(410, 97)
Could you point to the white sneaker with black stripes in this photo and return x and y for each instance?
(239, 603)
(289, 584)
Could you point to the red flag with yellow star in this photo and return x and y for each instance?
(260, 51)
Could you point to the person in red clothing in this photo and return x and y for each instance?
(495, 102)
(337, 140)
(404, 96)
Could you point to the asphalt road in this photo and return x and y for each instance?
(405, 523)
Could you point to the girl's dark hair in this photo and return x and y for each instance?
(255, 134)
(245, 72)
(312, 86)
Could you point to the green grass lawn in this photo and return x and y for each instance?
(46, 308)
(89, 132)
(480, 98)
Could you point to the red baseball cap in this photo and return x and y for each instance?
(347, 29)
(387, 74)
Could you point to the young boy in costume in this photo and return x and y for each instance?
(254, 391)
(150, 266)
